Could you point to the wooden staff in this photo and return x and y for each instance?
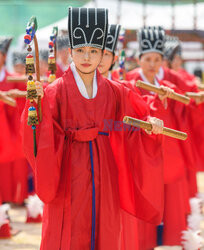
(6, 99)
(158, 90)
(148, 126)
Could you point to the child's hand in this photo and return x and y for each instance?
(168, 92)
(157, 125)
(39, 89)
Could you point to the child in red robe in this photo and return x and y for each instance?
(151, 42)
(76, 173)
(13, 170)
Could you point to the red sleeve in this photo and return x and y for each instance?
(139, 159)
(180, 82)
(50, 140)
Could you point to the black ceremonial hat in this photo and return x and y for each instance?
(112, 37)
(151, 39)
(87, 27)
(19, 57)
(172, 47)
(5, 43)
(63, 42)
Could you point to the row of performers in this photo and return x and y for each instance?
(105, 186)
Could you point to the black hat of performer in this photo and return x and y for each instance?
(87, 27)
(172, 47)
(19, 57)
(43, 54)
(63, 42)
(5, 43)
(151, 39)
(112, 37)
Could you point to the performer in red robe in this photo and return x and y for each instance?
(173, 58)
(13, 170)
(175, 62)
(75, 169)
(151, 42)
(6, 146)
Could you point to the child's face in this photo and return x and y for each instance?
(19, 68)
(150, 63)
(86, 59)
(106, 62)
(176, 62)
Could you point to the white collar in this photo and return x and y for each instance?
(80, 83)
(109, 76)
(2, 74)
(145, 80)
(160, 74)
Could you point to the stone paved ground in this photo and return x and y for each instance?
(29, 236)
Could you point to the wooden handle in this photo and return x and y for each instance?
(193, 95)
(174, 96)
(22, 79)
(16, 93)
(8, 100)
(148, 126)
(201, 86)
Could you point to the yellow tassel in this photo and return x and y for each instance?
(30, 68)
(51, 78)
(29, 60)
(51, 60)
(32, 116)
(31, 90)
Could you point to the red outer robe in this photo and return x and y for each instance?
(62, 166)
(174, 170)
